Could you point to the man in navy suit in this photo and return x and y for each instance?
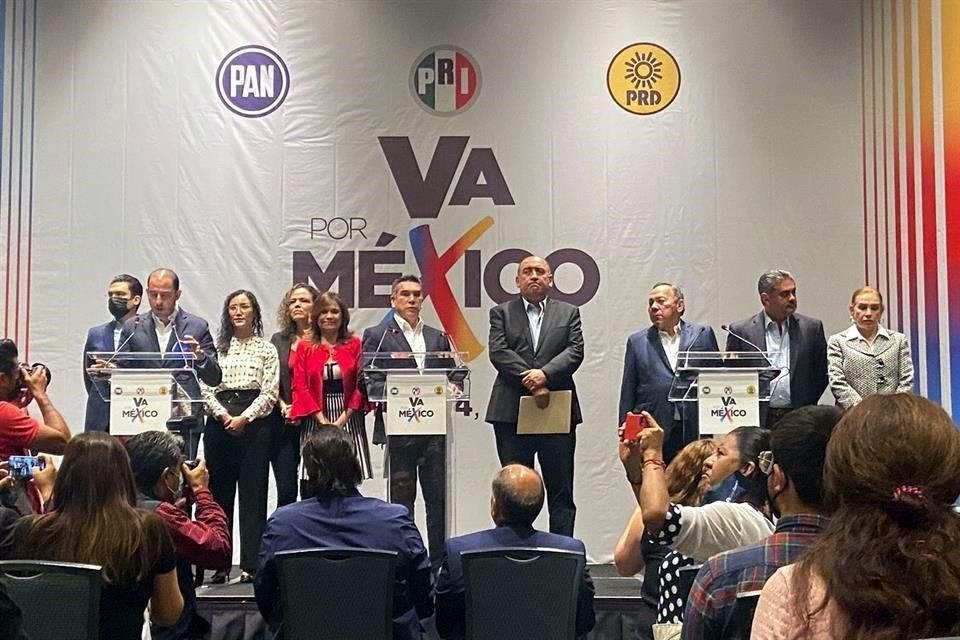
(412, 456)
(124, 295)
(651, 362)
(338, 516)
(170, 329)
(517, 500)
(796, 343)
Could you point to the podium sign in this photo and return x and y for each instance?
(728, 399)
(416, 404)
(139, 403)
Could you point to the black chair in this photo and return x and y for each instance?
(58, 600)
(743, 610)
(686, 577)
(521, 593)
(337, 594)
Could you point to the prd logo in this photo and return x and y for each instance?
(643, 78)
(252, 81)
(445, 80)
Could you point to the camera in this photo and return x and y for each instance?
(192, 464)
(27, 368)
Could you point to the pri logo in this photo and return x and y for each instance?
(252, 81)
(445, 80)
(643, 78)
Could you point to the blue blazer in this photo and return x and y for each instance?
(97, 416)
(351, 521)
(647, 376)
(451, 616)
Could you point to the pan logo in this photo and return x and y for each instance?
(445, 80)
(643, 78)
(252, 81)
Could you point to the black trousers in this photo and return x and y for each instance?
(556, 453)
(426, 457)
(285, 460)
(241, 462)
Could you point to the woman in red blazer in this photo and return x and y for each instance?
(325, 376)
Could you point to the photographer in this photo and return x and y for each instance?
(164, 484)
(19, 432)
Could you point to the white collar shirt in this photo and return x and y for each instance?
(414, 336)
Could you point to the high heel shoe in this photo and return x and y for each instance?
(220, 577)
(246, 577)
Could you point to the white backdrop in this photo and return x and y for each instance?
(138, 164)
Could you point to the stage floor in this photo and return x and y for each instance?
(621, 614)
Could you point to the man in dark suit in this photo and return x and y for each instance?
(798, 343)
(517, 500)
(536, 345)
(651, 362)
(124, 295)
(170, 329)
(412, 456)
(338, 516)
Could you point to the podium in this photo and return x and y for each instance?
(148, 391)
(418, 401)
(727, 385)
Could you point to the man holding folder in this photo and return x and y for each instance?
(536, 345)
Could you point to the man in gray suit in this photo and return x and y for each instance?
(798, 343)
(536, 345)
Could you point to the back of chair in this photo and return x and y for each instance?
(744, 609)
(337, 594)
(686, 577)
(58, 600)
(521, 593)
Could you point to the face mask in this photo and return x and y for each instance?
(117, 307)
(178, 492)
(772, 499)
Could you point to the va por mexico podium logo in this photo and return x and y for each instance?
(643, 78)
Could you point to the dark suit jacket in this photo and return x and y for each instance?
(144, 339)
(355, 522)
(450, 586)
(387, 337)
(97, 417)
(808, 353)
(282, 342)
(647, 376)
(512, 352)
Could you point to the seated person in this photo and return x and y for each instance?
(12, 509)
(794, 472)
(334, 514)
(163, 482)
(517, 500)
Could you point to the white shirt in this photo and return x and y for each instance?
(853, 335)
(117, 330)
(671, 345)
(250, 363)
(778, 345)
(535, 318)
(414, 336)
(164, 330)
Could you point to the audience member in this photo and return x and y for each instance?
(517, 500)
(867, 358)
(688, 479)
(325, 384)
(166, 485)
(93, 519)
(242, 418)
(887, 566)
(124, 294)
(294, 320)
(794, 469)
(337, 515)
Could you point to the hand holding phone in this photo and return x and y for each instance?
(22, 466)
(634, 424)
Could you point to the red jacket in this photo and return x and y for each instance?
(207, 542)
(307, 379)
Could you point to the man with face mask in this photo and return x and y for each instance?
(793, 468)
(164, 485)
(123, 300)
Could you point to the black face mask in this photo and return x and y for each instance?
(117, 307)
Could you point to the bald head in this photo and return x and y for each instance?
(534, 278)
(517, 496)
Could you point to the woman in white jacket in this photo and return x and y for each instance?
(867, 358)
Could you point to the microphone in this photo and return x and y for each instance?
(390, 329)
(740, 338)
(133, 330)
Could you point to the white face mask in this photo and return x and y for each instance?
(178, 492)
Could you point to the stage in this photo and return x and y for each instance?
(232, 611)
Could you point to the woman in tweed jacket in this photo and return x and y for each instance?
(867, 358)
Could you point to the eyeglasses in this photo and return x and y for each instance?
(765, 462)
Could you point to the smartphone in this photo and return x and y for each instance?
(22, 466)
(635, 423)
